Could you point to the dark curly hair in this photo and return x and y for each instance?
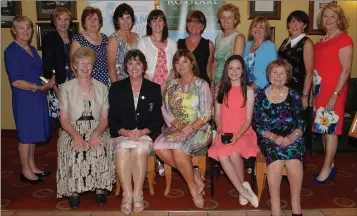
(120, 11)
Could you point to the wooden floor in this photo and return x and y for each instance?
(311, 212)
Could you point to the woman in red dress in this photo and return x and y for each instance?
(333, 64)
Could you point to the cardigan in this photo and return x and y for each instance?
(265, 54)
(71, 99)
(150, 51)
(122, 112)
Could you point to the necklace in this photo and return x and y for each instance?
(26, 47)
(326, 37)
(256, 46)
(281, 94)
(83, 87)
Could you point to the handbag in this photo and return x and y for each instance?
(353, 129)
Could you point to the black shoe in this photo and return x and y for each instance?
(101, 199)
(74, 202)
(24, 179)
(44, 174)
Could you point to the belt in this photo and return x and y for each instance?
(85, 118)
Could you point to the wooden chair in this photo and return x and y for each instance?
(200, 160)
(261, 174)
(150, 175)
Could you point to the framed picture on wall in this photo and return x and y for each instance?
(43, 28)
(269, 9)
(314, 10)
(9, 9)
(272, 30)
(44, 9)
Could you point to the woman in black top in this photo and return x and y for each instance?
(201, 48)
(56, 57)
(299, 51)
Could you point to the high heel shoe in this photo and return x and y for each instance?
(254, 200)
(24, 179)
(243, 201)
(126, 205)
(199, 181)
(331, 176)
(199, 203)
(44, 174)
(138, 204)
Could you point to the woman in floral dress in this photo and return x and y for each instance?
(187, 109)
(278, 122)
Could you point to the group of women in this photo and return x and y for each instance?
(113, 94)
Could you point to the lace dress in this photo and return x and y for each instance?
(88, 170)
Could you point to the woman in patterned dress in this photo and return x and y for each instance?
(299, 51)
(259, 52)
(230, 42)
(333, 65)
(85, 155)
(121, 41)
(187, 109)
(56, 57)
(158, 49)
(92, 22)
(279, 124)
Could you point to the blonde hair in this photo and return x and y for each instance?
(82, 52)
(232, 8)
(58, 12)
(18, 19)
(280, 63)
(343, 25)
(257, 20)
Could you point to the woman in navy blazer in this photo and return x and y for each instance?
(135, 121)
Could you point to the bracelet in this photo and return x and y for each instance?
(304, 95)
(34, 90)
(335, 93)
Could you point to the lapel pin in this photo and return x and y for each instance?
(143, 97)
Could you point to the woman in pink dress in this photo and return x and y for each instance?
(233, 114)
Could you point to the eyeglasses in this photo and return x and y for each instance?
(82, 64)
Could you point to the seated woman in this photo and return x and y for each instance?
(186, 111)
(135, 121)
(85, 161)
(278, 121)
(233, 114)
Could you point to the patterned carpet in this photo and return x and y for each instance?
(19, 196)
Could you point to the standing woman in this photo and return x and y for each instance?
(201, 48)
(158, 49)
(230, 42)
(92, 22)
(333, 64)
(56, 57)
(29, 102)
(121, 41)
(299, 51)
(259, 52)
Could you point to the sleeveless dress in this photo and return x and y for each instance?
(224, 49)
(201, 54)
(295, 55)
(233, 117)
(100, 70)
(186, 103)
(326, 75)
(123, 48)
(87, 170)
(282, 119)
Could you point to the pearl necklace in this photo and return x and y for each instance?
(326, 37)
(26, 47)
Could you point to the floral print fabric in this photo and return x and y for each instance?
(282, 119)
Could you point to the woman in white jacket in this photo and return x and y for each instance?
(158, 49)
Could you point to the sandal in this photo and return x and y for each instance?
(199, 181)
(138, 203)
(126, 205)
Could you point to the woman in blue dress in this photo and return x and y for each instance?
(29, 102)
(278, 122)
(92, 22)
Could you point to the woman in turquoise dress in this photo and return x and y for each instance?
(121, 41)
(230, 42)
(186, 110)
